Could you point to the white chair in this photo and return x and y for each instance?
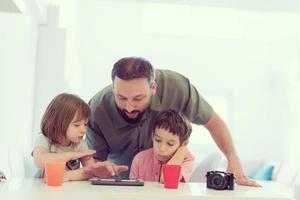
(210, 162)
(20, 161)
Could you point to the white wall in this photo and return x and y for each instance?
(18, 39)
(251, 58)
(247, 56)
(50, 77)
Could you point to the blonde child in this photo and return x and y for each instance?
(171, 132)
(63, 127)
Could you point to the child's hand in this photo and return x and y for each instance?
(66, 177)
(183, 148)
(77, 155)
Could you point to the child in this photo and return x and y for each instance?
(63, 127)
(171, 132)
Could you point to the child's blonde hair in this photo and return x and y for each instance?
(59, 115)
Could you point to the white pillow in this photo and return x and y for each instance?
(297, 178)
(296, 192)
(210, 162)
(287, 173)
(250, 166)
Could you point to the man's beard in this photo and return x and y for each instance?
(128, 119)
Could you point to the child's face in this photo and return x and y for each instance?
(165, 144)
(76, 130)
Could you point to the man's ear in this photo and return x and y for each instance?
(153, 87)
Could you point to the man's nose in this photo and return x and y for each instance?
(129, 107)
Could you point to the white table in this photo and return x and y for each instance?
(33, 189)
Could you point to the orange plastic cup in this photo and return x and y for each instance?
(54, 172)
(171, 176)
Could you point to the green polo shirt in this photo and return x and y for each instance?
(119, 141)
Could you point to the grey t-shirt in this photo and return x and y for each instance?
(43, 142)
(119, 141)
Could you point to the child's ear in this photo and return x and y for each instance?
(185, 143)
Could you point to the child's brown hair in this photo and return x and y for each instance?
(175, 122)
(59, 115)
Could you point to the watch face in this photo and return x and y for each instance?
(73, 164)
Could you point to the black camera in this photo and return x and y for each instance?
(219, 180)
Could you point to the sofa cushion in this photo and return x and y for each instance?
(287, 173)
(210, 162)
(276, 164)
(263, 173)
(296, 190)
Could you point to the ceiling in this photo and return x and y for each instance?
(292, 6)
(254, 5)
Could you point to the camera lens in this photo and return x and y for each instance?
(218, 181)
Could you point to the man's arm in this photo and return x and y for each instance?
(42, 155)
(221, 135)
(95, 140)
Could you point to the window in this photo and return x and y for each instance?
(221, 102)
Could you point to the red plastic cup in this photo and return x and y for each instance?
(54, 172)
(171, 176)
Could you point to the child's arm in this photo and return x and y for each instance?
(178, 158)
(187, 168)
(41, 155)
(179, 155)
(76, 175)
(87, 161)
(79, 174)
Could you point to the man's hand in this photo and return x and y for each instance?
(105, 169)
(239, 175)
(243, 180)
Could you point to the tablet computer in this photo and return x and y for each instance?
(112, 181)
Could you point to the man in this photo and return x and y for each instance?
(123, 113)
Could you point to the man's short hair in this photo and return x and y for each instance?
(130, 68)
(175, 122)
